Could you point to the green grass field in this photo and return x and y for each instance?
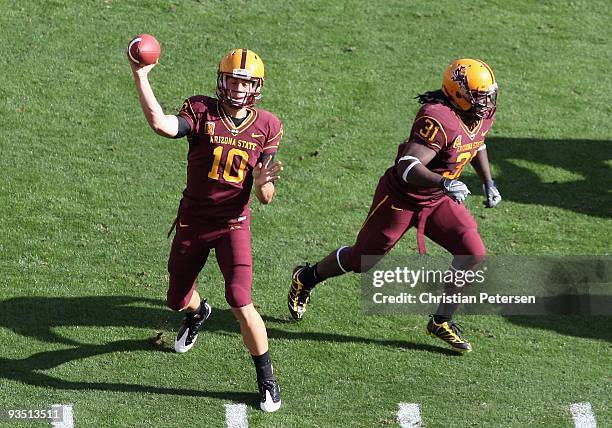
(87, 193)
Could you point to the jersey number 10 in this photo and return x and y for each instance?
(229, 162)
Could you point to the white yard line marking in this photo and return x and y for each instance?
(583, 416)
(409, 415)
(65, 411)
(236, 416)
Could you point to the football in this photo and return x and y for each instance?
(144, 49)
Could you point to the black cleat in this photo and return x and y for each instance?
(188, 333)
(451, 333)
(299, 296)
(269, 395)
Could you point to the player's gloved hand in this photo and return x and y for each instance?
(493, 196)
(455, 189)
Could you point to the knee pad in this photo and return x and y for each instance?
(180, 290)
(237, 295)
(176, 303)
(472, 251)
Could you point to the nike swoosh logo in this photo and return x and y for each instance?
(183, 225)
(393, 207)
(256, 135)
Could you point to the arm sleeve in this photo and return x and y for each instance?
(188, 114)
(183, 127)
(263, 158)
(427, 130)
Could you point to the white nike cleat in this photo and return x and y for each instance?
(269, 395)
(188, 333)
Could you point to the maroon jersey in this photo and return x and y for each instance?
(221, 159)
(438, 127)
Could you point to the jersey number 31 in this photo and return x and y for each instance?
(462, 160)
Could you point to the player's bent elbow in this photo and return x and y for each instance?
(164, 126)
(161, 130)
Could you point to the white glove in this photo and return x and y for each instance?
(455, 189)
(493, 196)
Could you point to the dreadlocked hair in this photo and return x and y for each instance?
(433, 97)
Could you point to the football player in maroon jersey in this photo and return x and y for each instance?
(231, 149)
(422, 189)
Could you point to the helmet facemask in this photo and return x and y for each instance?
(483, 102)
(238, 99)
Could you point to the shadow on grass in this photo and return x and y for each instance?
(591, 327)
(276, 333)
(37, 317)
(30, 371)
(583, 168)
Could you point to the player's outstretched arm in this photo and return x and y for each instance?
(481, 166)
(264, 175)
(163, 124)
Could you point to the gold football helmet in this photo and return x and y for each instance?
(471, 88)
(241, 64)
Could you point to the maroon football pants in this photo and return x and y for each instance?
(446, 222)
(190, 249)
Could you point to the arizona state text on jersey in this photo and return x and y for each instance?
(221, 158)
(438, 127)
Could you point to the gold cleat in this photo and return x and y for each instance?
(451, 333)
(298, 297)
